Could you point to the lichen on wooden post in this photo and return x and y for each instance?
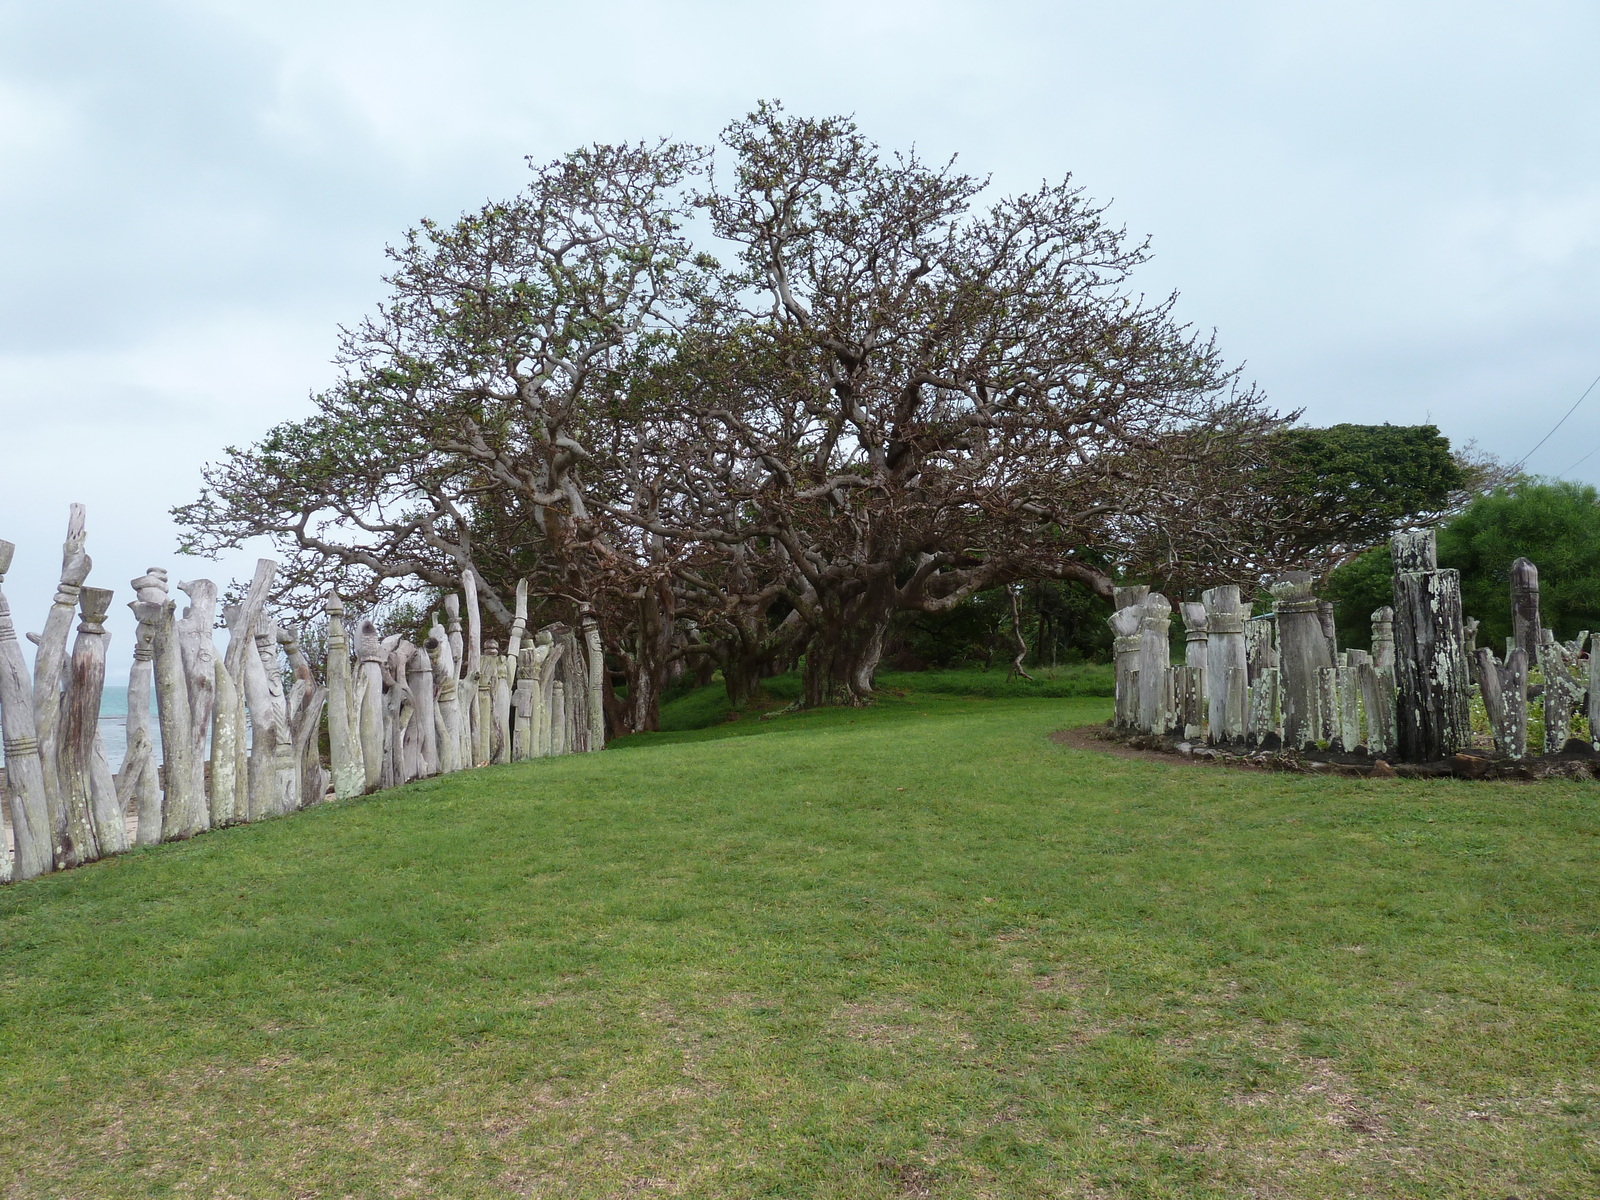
(1259, 651)
(1261, 724)
(1302, 653)
(1504, 688)
(1383, 641)
(1526, 627)
(1155, 657)
(1126, 626)
(1433, 716)
(1562, 692)
(1225, 651)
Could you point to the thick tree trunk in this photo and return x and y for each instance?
(844, 652)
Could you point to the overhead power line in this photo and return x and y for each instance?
(1557, 426)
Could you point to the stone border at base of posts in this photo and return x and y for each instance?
(1578, 760)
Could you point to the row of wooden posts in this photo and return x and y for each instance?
(238, 745)
(1280, 680)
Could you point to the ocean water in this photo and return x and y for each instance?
(114, 725)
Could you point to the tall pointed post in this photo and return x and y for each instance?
(49, 664)
(1526, 628)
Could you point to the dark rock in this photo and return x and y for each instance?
(1578, 748)
(1381, 770)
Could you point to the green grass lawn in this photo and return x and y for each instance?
(918, 950)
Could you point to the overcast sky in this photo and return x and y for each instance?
(1388, 211)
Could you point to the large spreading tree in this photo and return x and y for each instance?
(876, 389)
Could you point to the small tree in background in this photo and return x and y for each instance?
(1552, 523)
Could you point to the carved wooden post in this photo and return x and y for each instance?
(1259, 652)
(200, 675)
(77, 839)
(370, 652)
(1194, 639)
(446, 704)
(558, 723)
(1126, 626)
(1504, 688)
(419, 678)
(49, 663)
(1225, 651)
(1302, 653)
(1351, 690)
(1594, 695)
(138, 777)
(1190, 693)
(1155, 657)
(1329, 633)
(304, 707)
(1131, 595)
(1262, 722)
(285, 766)
(1377, 698)
(1562, 692)
(522, 703)
(111, 824)
(1526, 629)
(483, 707)
(237, 661)
(403, 758)
(478, 709)
(24, 792)
(183, 809)
(1238, 700)
(1383, 641)
(596, 680)
(1434, 719)
(547, 656)
(1469, 647)
(344, 744)
(495, 667)
(575, 675)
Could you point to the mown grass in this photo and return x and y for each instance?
(701, 708)
(919, 950)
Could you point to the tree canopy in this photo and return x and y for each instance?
(874, 389)
(1552, 523)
